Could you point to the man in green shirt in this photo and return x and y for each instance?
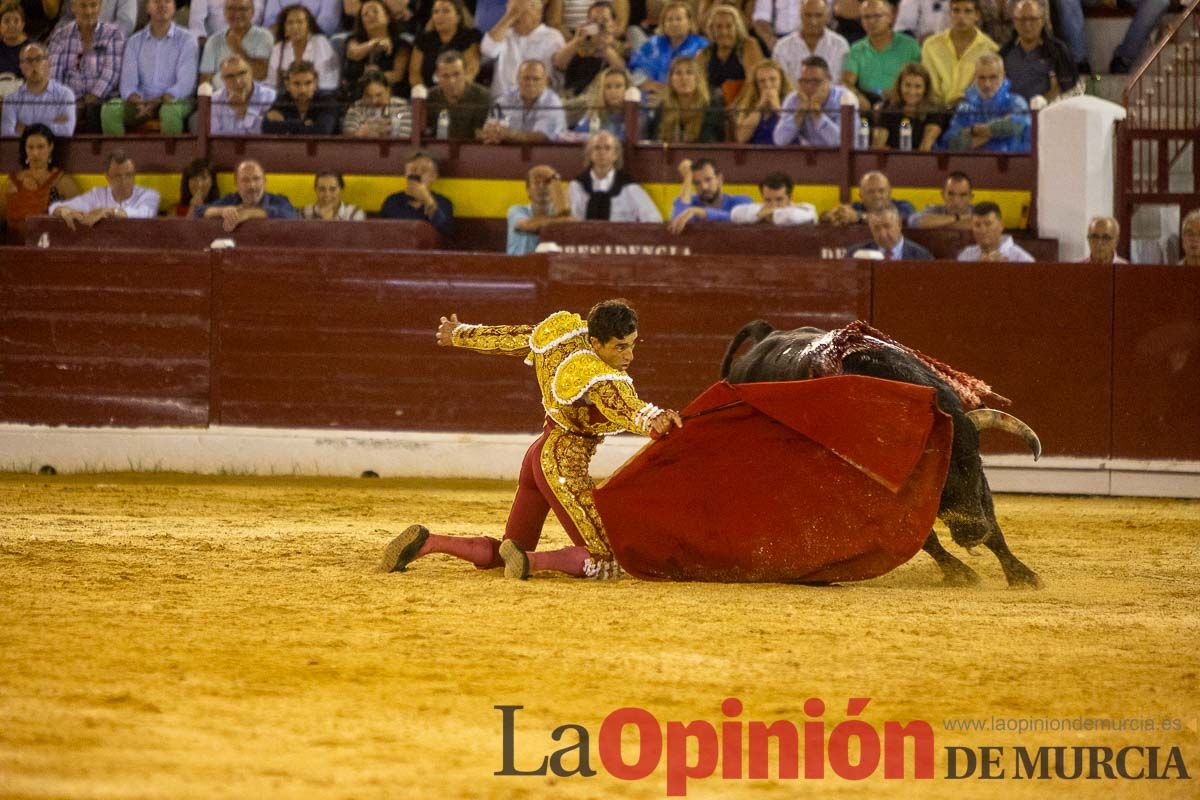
(873, 63)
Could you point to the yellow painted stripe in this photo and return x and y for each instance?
(480, 198)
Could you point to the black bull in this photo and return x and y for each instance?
(966, 503)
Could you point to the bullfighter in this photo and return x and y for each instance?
(587, 394)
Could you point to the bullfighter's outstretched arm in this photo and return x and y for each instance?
(506, 340)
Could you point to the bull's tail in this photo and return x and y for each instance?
(758, 330)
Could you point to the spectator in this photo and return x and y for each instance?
(688, 113)
(874, 62)
(1189, 239)
(812, 115)
(12, 41)
(375, 44)
(950, 56)
(604, 191)
(450, 28)
(418, 201)
(207, 18)
(731, 54)
(122, 13)
(250, 201)
(518, 37)
(378, 113)
(1103, 233)
(122, 198)
(1137, 35)
(570, 15)
(548, 203)
(604, 107)
(197, 187)
(1036, 62)
(39, 17)
(301, 110)
(887, 239)
(530, 113)
(991, 117)
(911, 98)
(955, 209)
(594, 47)
(676, 38)
(774, 20)
(813, 39)
(701, 196)
(326, 13)
(39, 100)
(991, 243)
(755, 113)
(777, 207)
(922, 18)
(30, 191)
(85, 56)
(240, 105)
(876, 192)
(158, 76)
(465, 102)
(300, 40)
(847, 19)
(329, 205)
(240, 38)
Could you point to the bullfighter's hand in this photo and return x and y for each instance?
(445, 331)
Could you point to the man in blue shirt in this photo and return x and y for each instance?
(158, 76)
(548, 202)
(250, 201)
(812, 115)
(701, 196)
(39, 99)
(418, 201)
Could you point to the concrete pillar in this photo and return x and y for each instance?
(1076, 168)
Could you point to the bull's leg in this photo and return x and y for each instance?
(1015, 572)
(954, 572)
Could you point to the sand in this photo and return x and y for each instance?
(175, 636)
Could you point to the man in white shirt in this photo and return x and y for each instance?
(1103, 233)
(812, 39)
(518, 37)
(530, 113)
(120, 199)
(990, 242)
(777, 207)
(604, 191)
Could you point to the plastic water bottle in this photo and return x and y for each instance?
(398, 124)
(862, 138)
(905, 134)
(443, 124)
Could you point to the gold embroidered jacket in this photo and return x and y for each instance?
(571, 377)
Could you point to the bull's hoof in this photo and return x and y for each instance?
(1022, 577)
(958, 574)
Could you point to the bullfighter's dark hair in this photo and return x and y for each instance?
(701, 163)
(985, 208)
(777, 180)
(611, 319)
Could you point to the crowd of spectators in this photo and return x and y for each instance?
(912, 71)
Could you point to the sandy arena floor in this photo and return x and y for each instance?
(173, 636)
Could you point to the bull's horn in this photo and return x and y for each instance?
(983, 418)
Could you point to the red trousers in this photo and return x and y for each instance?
(534, 500)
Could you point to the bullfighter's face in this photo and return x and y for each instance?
(616, 353)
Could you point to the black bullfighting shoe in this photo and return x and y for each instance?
(516, 563)
(403, 548)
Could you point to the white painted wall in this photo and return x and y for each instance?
(1077, 164)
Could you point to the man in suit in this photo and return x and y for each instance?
(888, 238)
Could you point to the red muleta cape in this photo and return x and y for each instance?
(832, 479)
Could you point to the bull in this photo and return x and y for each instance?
(966, 503)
